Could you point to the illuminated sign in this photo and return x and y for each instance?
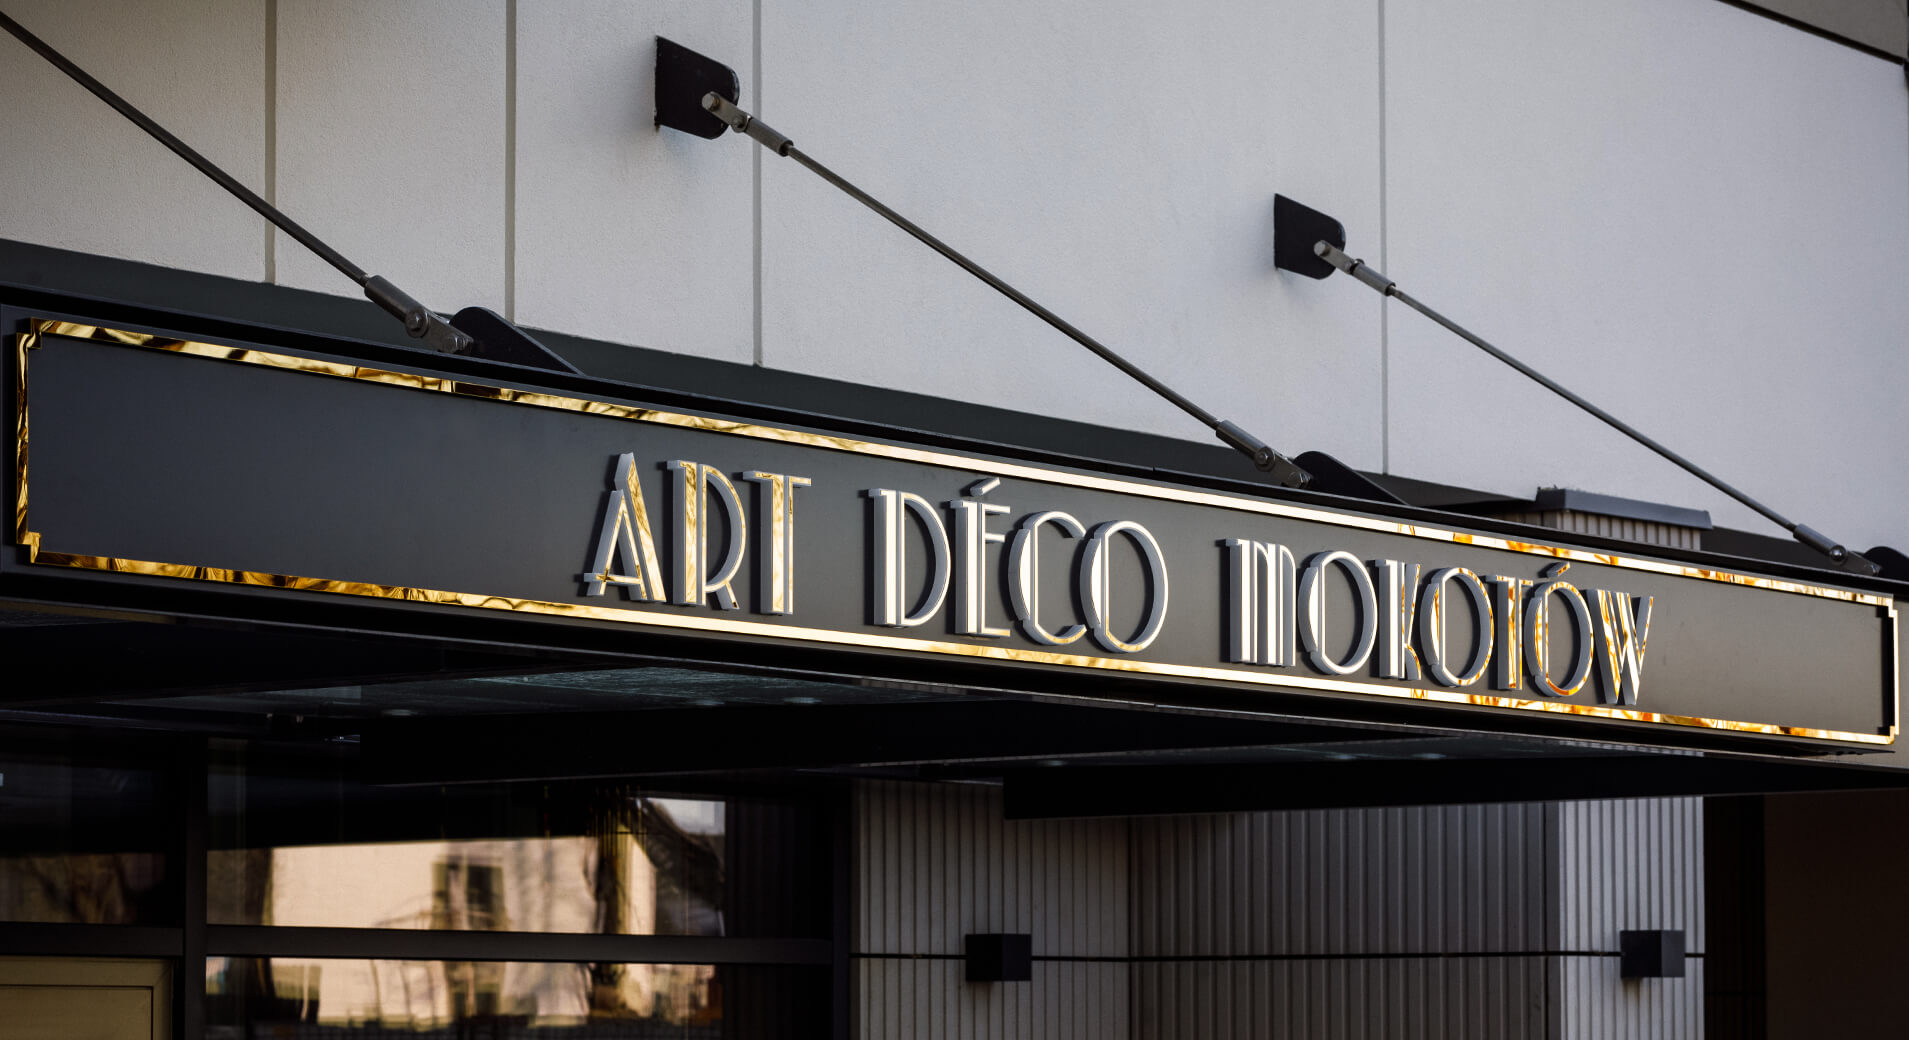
(249, 469)
(1405, 617)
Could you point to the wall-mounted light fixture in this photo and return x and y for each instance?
(686, 79)
(1651, 954)
(1308, 242)
(999, 957)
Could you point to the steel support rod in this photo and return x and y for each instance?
(1368, 275)
(419, 321)
(1282, 468)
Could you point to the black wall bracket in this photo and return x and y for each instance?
(1000, 957)
(682, 78)
(1652, 954)
(1296, 228)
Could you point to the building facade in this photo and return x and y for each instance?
(279, 705)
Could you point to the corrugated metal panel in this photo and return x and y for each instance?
(1598, 1005)
(1629, 864)
(1642, 531)
(1446, 879)
(1449, 998)
(929, 999)
(1451, 921)
(936, 862)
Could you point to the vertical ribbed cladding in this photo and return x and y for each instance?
(1356, 923)
(1635, 864)
(1601, 1006)
(1471, 998)
(1647, 532)
(936, 862)
(1066, 1000)
(1341, 882)
(1454, 921)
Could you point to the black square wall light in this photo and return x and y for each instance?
(682, 78)
(1296, 229)
(1000, 957)
(1657, 954)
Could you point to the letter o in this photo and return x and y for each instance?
(1433, 610)
(1312, 594)
(1095, 578)
(1537, 637)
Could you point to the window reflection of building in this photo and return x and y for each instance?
(682, 838)
(465, 896)
(642, 866)
(431, 995)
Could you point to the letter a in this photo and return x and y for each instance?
(625, 532)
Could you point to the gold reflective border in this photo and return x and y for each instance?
(728, 626)
(21, 535)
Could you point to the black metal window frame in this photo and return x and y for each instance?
(194, 939)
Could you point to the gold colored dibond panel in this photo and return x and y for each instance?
(735, 626)
(21, 534)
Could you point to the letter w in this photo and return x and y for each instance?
(1622, 646)
(625, 534)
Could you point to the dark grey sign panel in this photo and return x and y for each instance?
(206, 463)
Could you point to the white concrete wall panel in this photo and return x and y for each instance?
(391, 127)
(623, 231)
(1689, 213)
(76, 175)
(1117, 162)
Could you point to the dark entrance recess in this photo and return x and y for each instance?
(153, 659)
(1735, 993)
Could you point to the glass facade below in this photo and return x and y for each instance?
(81, 842)
(312, 997)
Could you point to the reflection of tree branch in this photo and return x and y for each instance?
(123, 883)
(55, 877)
(84, 888)
(50, 890)
(256, 983)
(610, 816)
